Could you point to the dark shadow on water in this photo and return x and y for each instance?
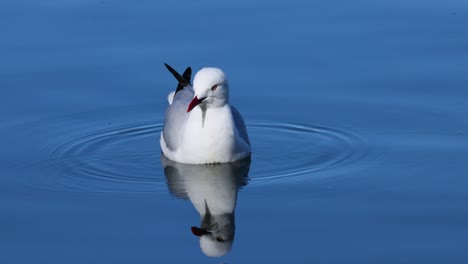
(212, 189)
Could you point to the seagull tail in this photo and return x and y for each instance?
(170, 97)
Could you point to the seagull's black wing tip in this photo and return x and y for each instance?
(184, 79)
(187, 75)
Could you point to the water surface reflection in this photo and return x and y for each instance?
(212, 189)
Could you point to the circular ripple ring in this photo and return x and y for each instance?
(127, 160)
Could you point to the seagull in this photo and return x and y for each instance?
(212, 189)
(200, 125)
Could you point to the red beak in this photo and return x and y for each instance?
(199, 231)
(195, 101)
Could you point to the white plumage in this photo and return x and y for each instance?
(200, 125)
(212, 189)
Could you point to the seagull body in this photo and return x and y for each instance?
(200, 125)
(212, 189)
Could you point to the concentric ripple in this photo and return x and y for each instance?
(285, 152)
(127, 159)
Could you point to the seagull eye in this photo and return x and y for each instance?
(214, 87)
(219, 239)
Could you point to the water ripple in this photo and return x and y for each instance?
(300, 151)
(127, 159)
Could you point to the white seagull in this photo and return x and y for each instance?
(212, 189)
(200, 126)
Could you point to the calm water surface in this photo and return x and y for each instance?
(357, 112)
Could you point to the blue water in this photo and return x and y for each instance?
(357, 113)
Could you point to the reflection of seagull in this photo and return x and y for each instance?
(212, 189)
(200, 126)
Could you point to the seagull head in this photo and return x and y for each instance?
(211, 88)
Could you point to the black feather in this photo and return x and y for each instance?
(187, 75)
(184, 79)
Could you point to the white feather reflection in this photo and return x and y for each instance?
(212, 189)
